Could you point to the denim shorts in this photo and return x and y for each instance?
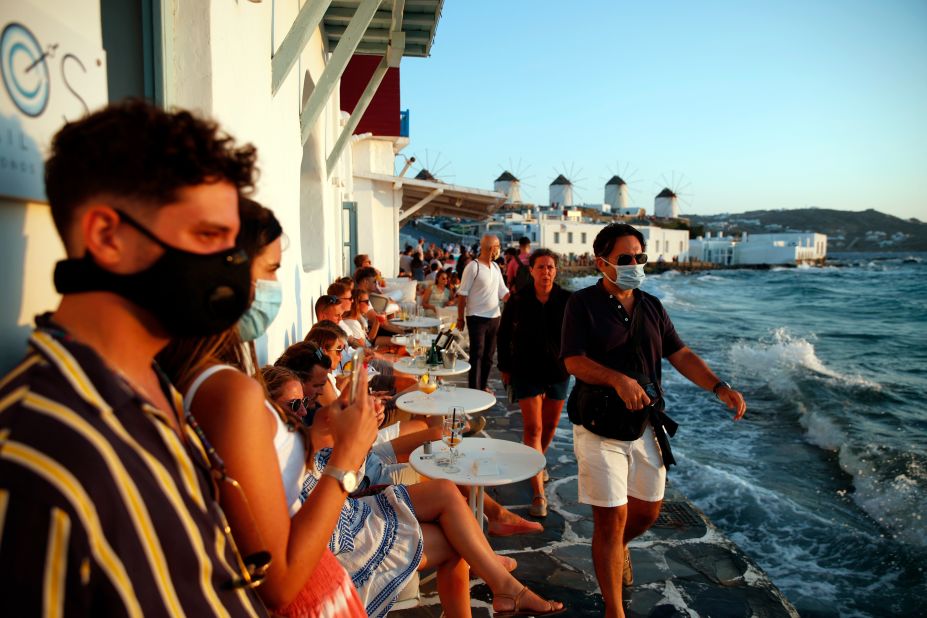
(523, 389)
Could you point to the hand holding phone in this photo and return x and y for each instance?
(356, 364)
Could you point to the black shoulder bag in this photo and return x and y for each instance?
(600, 410)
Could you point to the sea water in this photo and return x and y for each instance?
(824, 482)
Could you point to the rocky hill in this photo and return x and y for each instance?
(868, 230)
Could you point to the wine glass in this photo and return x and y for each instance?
(427, 385)
(452, 434)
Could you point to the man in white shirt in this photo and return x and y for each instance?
(482, 287)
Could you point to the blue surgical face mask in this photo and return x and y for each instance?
(630, 277)
(268, 295)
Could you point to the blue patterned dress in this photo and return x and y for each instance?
(377, 540)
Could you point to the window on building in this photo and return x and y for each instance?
(570, 238)
(680, 246)
(556, 238)
(582, 237)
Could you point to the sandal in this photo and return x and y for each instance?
(538, 507)
(518, 611)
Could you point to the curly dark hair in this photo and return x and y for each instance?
(134, 150)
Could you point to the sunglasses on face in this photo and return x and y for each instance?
(296, 404)
(624, 259)
(338, 349)
(363, 302)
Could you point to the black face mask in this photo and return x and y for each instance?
(190, 294)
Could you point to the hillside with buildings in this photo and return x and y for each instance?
(868, 230)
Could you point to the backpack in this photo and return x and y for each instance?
(523, 277)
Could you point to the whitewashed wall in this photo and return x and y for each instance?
(231, 52)
(221, 67)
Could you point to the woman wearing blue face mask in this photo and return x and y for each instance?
(260, 445)
(261, 236)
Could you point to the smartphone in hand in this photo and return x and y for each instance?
(356, 366)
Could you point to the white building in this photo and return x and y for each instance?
(566, 237)
(754, 249)
(666, 205)
(276, 74)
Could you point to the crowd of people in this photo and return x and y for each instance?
(150, 466)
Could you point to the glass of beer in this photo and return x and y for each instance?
(452, 434)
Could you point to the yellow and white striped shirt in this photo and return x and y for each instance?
(104, 510)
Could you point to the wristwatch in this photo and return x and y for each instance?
(346, 478)
(721, 384)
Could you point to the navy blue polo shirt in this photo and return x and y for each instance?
(596, 326)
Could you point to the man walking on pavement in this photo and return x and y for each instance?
(614, 338)
(482, 287)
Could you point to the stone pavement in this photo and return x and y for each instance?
(683, 566)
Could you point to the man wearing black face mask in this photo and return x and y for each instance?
(614, 339)
(108, 504)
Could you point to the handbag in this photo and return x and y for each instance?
(600, 410)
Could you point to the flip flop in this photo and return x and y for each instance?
(518, 611)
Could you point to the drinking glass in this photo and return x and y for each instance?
(427, 385)
(452, 434)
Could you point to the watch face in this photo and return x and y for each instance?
(349, 481)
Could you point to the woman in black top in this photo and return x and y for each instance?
(529, 358)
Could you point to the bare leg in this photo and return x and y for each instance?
(540, 416)
(531, 435)
(550, 416)
(608, 555)
(441, 502)
(503, 522)
(641, 515)
(453, 572)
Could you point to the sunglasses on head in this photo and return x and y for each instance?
(624, 259)
(296, 404)
(331, 300)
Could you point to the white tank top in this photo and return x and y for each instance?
(291, 453)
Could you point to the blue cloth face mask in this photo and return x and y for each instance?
(268, 295)
(630, 277)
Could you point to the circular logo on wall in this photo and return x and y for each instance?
(25, 72)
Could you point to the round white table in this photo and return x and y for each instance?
(482, 462)
(406, 365)
(440, 402)
(421, 322)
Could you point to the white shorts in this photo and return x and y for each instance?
(611, 470)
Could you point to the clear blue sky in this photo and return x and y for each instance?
(744, 105)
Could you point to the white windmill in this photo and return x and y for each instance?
(666, 202)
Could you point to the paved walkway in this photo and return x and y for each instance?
(683, 566)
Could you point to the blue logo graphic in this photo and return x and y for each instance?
(25, 72)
